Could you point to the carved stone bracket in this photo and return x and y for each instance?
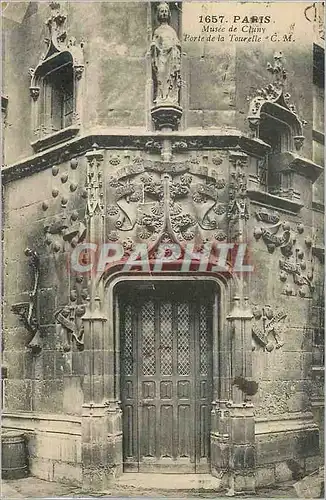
(27, 311)
(166, 117)
(266, 327)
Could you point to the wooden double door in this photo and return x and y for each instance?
(166, 379)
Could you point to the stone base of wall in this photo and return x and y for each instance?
(272, 474)
(54, 444)
(287, 448)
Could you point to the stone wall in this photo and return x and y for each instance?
(54, 444)
(51, 380)
(45, 203)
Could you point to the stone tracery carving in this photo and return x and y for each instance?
(61, 52)
(58, 42)
(176, 198)
(273, 93)
(238, 205)
(94, 182)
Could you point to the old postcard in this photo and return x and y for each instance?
(163, 249)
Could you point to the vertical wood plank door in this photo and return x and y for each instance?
(166, 381)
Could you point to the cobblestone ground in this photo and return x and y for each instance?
(34, 488)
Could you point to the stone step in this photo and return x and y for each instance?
(169, 481)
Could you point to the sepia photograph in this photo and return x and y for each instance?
(162, 254)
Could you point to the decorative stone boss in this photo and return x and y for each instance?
(166, 59)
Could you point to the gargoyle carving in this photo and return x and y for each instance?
(266, 327)
(27, 311)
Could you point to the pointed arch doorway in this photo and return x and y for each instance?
(166, 375)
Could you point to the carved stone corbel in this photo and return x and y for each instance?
(27, 311)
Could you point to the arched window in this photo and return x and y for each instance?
(273, 120)
(57, 96)
(276, 130)
(55, 86)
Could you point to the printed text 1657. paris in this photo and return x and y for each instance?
(235, 19)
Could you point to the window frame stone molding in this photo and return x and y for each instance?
(61, 51)
(272, 102)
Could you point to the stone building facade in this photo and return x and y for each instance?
(120, 130)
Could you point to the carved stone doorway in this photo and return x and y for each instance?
(166, 357)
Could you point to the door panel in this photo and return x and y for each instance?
(166, 382)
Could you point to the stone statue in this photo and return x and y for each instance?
(166, 59)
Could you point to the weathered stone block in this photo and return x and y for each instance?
(72, 395)
(48, 447)
(67, 473)
(77, 366)
(97, 478)
(48, 396)
(121, 100)
(285, 446)
(210, 87)
(18, 395)
(299, 402)
(242, 430)
(48, 358)
(244, 482)
(220, 119)
(42, 468)
(242, 456)
(291, 469)
(195, 118)
(265, 476)
(220, 454)
(50, 340)
(46, 306)
(62, 363)
(312, 463)
(15, 363)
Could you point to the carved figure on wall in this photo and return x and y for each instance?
(297, 254)
(266, 327)
(166, 59)
(71, 326)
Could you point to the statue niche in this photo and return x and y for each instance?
(165, 53)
